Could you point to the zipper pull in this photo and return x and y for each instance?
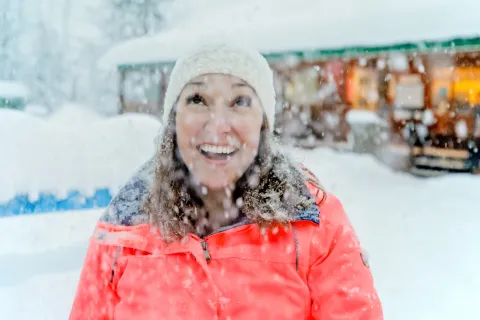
(205, 251)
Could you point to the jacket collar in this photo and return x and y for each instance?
(125, 209)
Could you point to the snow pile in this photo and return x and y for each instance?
(355, 117)
(461, 129)
(398, 62)
(37, 110)
(428, 118)
(72, 150)
(71, 114)
(274, 26)
(12, 89)
(423, 246)
(11, 119)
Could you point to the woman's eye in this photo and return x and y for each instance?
(195, 99)
(243, 102)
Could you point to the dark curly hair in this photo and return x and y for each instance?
(269, 190)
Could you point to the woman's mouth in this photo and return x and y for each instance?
(215, 152)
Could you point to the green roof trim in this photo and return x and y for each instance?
(12, 103)
(456, 44)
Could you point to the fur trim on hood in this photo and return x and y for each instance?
(281, 196)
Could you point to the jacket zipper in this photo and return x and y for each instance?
(204, 243)
(205, 251)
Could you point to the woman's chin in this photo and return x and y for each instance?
(216, 185)
(216, 180)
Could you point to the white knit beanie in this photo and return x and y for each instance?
(240, 61)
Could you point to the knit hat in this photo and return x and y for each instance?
(237, 60)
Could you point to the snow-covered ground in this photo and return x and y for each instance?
(421, 234)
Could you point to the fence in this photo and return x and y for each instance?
(22, 204)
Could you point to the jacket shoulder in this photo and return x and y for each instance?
(125, 209)
(314, 186)
(139, 237)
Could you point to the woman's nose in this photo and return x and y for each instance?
(220, 118)
(219, 121)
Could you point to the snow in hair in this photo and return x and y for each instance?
(270, 190)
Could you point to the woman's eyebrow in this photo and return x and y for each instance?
(196, 83)
(240, 84)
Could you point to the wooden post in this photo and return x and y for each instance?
(428, 100)
(163, 90)
(121, 90)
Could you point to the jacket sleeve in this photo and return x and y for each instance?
(340, 282)
(95, 298)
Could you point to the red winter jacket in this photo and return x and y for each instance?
(310, 270)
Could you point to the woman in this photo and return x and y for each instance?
(220, 224)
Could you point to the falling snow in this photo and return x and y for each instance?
(69, 136)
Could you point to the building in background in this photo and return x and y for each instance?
(425, 83)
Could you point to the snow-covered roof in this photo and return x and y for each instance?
(12, 89)
(281, 26)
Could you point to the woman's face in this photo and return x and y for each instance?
(218, 123)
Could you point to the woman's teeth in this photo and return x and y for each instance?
(217, 149)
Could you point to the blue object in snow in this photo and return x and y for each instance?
(48, 202)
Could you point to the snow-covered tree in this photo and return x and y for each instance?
(91, 85)
(47, 71)
(54, 50)
(10, 33)
(132, 18)
(121, 20)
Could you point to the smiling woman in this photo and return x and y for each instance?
(218, 122)
(219, 116)
(220, 224)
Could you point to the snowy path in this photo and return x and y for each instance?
(40, 261)
(421, 235)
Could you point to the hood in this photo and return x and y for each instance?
(125, 209)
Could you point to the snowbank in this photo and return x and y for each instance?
(37, 110)
(355, 117)
(71, 114)
(274, 26)
(11, 119)
(12, 89)
(72, 150)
